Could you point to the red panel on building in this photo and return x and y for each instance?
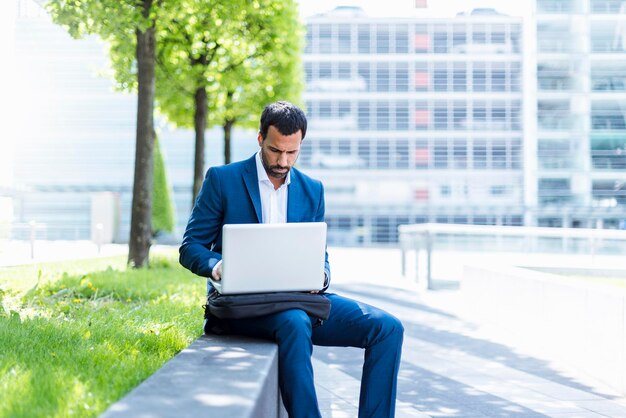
(421, 42)
(422, 80)
(420, 194)
(422, 157)
(421, 117)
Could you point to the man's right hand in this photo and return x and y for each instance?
(217, 272)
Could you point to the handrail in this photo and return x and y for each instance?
(423, 236)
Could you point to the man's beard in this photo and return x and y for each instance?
(271, 169)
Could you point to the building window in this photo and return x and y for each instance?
(440, 41)
(382, 77)
(479, 77)
(440, 155)
(402, 116)
(364, 74)
(402, 154)
(325, 39)
(459, 78)
(364, 39)
(440, 78)
(382, 39)
(364, 116)
(343, 71)
(441, 116)
(345, 42)
(402, 77)
(382, 116)
(459, 154)
(402, 39)
(479, 154)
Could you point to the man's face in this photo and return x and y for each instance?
(279, 153)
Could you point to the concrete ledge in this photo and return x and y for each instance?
(583, 324)
(216, 376)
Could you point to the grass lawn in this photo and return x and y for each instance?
(76, 336)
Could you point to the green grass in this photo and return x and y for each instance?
(76, 336)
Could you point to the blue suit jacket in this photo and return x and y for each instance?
(230, 195)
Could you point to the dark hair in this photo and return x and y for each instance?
(284, 116)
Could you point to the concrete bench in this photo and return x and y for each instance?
(216, 376)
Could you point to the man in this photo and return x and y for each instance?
(266, 188)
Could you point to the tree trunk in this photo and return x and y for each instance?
(200, 120)
(228, 128)
(140, 224)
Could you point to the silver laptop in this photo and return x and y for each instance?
(261, 258)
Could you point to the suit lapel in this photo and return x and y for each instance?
(251, 180)
(294, 198)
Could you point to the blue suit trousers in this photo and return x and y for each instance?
(351, 324)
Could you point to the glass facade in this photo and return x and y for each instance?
(410, 119)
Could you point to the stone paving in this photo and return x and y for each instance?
(450, 367)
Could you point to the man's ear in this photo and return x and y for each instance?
(259, 138)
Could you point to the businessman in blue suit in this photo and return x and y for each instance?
(267, 189)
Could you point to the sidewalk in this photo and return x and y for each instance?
(450, 367)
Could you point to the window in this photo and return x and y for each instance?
(364, 115)
(364, 39)
(440, 77)
(382, 153)
(364, 74)
(460, 115)
(363, 150)
(459, 79)
(498, 190)
(480, 154)
(498, 77)
(343, 71)
(480, 116)
(498, 116)
(382, 116)
(441, 115)
(325, 39)
(402, 39)
(498, 154)
(402, 154)
(344, 39)
(440, 41)
(382, 77)
(382, 39)
(402, 116)
(459, 154)
(325, 70)
(325, 109)
(402, 76)
(479, 79)
(441, 155)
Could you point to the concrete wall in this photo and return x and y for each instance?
(582, 324)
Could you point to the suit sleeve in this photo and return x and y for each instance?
(319, 217)
(203, 229)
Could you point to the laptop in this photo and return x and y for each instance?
(261, 258)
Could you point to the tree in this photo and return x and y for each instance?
(273, 74)
(126, 24)
(162, 207)
(214, 60)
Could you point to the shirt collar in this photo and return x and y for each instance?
(262, 174)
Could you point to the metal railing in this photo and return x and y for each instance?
(428, 237)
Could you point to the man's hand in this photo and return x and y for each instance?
(217, 272)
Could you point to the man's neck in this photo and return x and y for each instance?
(276, 182)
